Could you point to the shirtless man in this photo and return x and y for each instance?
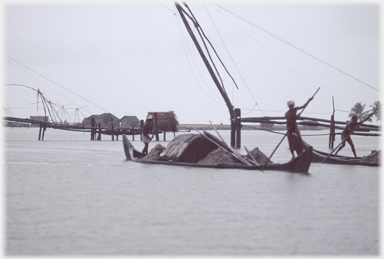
(292, 127)
(347, 130)
(148, 125)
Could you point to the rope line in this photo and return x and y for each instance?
(193, 61)
(201, 34)
(297, 48)
(57, 84)
(277, 58)
(233, 61)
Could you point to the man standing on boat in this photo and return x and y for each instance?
(148, 125)
(346, 135)
(292, 127)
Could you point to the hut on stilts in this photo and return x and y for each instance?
(163, 122)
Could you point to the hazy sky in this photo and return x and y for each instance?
(130, 59)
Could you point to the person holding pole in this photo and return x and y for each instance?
(148, 125)
(291, 114)
(346, 135)
(292, 127)
(350, 133)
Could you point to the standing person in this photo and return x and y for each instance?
(148, 125)
(292, 127)
(349, 128)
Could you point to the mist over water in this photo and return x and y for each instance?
(68, 195)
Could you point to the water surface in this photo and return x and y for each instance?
(68, 195)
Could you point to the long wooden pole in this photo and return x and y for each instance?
(251, 156)
(343, 140)
(288, 131)
(332, 127)
(205, 60)
(220, 86)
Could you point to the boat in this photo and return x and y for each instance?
(190, 150)
(319, 156)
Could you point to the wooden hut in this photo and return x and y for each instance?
(129, 122)
(38, 118)
(106, 120)
(164, 122)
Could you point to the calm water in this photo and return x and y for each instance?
(67, 195)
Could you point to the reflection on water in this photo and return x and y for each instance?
(67, 195)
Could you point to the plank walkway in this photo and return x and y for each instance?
(70, 127)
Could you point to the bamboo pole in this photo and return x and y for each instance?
(252, 157)
(332, 127)
(217, 144)
(238, 156)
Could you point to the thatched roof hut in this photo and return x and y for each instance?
(165, 121)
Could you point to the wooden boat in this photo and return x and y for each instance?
(187, 154)
(319, 156)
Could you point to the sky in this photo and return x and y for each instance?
(128, 58)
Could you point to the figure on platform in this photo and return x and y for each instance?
(292, 127)
(348, 130)
(148, 125)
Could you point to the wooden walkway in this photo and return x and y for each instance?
(365, 130)
(70, 127)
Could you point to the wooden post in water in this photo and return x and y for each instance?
(133, 133)
(99, 136)
(155, 122)
(93, 128)
(164, 135)
(112, 130)
(44, 129)
(233, 134)
(236, 129)
(141, 127)
(332, 127)
(40, 131)
(332, 132)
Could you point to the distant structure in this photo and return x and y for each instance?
(39, 118)
(129, 122)
(105, 120)
(165, 121)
